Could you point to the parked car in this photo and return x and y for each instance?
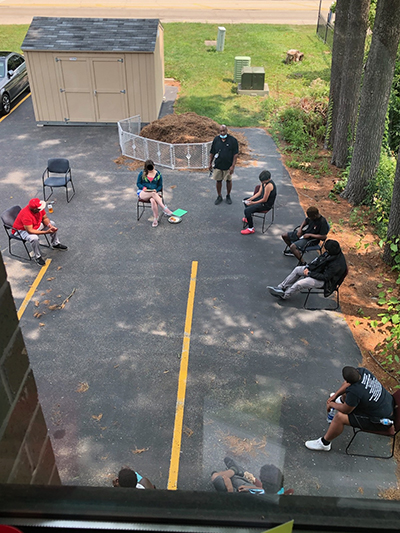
(13, 79)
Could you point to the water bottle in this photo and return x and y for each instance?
(331, 414)
(386, 421)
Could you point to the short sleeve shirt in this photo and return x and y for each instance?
(369, 397)
(316, 227)
(27, 218)
(224, 151)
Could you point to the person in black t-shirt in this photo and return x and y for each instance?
(224, 153)
(314, 228)
(360, 402)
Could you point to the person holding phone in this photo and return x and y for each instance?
(150, 184)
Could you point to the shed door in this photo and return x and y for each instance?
(109, 88)
(76, 88)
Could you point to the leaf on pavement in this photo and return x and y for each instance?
(82, 387)
(135, 451)
(98, 417)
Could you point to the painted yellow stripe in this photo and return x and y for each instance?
(180, 400)
(15, 107)
(33, 288)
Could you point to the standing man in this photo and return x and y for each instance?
(224, 152)
(33, 221)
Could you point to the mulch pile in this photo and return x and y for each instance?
(183, 129)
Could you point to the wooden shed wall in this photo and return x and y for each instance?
(143, 75)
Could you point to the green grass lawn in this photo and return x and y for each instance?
(206, 76)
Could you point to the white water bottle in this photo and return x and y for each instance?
(386, 421)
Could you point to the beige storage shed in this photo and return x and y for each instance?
(91, 71)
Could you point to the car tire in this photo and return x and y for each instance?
(6, 103)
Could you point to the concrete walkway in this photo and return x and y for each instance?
(259, 369)
(225, 12)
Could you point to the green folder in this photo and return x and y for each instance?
(179, 212)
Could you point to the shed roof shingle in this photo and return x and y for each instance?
(93, 35)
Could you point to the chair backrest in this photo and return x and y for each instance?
(9, 215)
(342, 278)
(396, 411)
(256, 189)
(58, 165)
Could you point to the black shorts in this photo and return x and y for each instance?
(363, 422)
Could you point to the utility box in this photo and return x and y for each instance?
(221, 39)
(240, 62)
(253, 78)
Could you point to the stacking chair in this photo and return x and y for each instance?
(61, 167)
(262, 214)
(311, 246)
(8, 218)
(143, 204)
(321, 291)
(390, 431)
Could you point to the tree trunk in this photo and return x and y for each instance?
(393, 230)
(351, 81)
(338, 53)
(374, 99)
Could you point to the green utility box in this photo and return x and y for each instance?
(240, 62)
(253, 78)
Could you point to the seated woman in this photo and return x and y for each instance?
(262, 200)
(149, 184)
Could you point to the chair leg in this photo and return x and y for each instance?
(44, 193)
(16, 255)
(355, 433)
(73, 189)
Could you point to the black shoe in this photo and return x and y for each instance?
(60, 246)
(228, 199)
(218, 200)
(232, 465)
(288, 253)
(40, 261)
(276, 291)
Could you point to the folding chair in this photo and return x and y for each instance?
(390, 431)
(262, 214)
(322, 291)
(143, 204)
(57, 166)
(8, 218)
(311, 246)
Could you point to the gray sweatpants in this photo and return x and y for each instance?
(296, 281)
(34, 239)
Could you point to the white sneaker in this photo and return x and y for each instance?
(318, 445)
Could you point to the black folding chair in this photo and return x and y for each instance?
(61, 167)
(312, 246)
(262, 214)
(322, 291)
(390, 431)
(8, 218)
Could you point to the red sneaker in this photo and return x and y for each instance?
(247, 231)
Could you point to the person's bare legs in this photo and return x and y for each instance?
(295, 251)
(337, 425)
(228, 187)
(155, 200)
(219, 187)
(286, 240)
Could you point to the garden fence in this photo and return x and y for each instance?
(175, 156)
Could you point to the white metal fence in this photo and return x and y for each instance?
(191, 155)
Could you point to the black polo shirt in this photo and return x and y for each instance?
(224, 151)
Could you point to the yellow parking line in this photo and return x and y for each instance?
(180, 400)
(33, 288)
(14, 108)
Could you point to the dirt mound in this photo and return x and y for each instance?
(181, 129)
(189, 128)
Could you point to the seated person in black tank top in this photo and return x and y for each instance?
(263, 200)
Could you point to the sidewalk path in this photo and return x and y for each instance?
(225, 12)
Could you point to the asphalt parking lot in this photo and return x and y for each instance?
(107, 365)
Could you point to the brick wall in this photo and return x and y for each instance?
(26, 454)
